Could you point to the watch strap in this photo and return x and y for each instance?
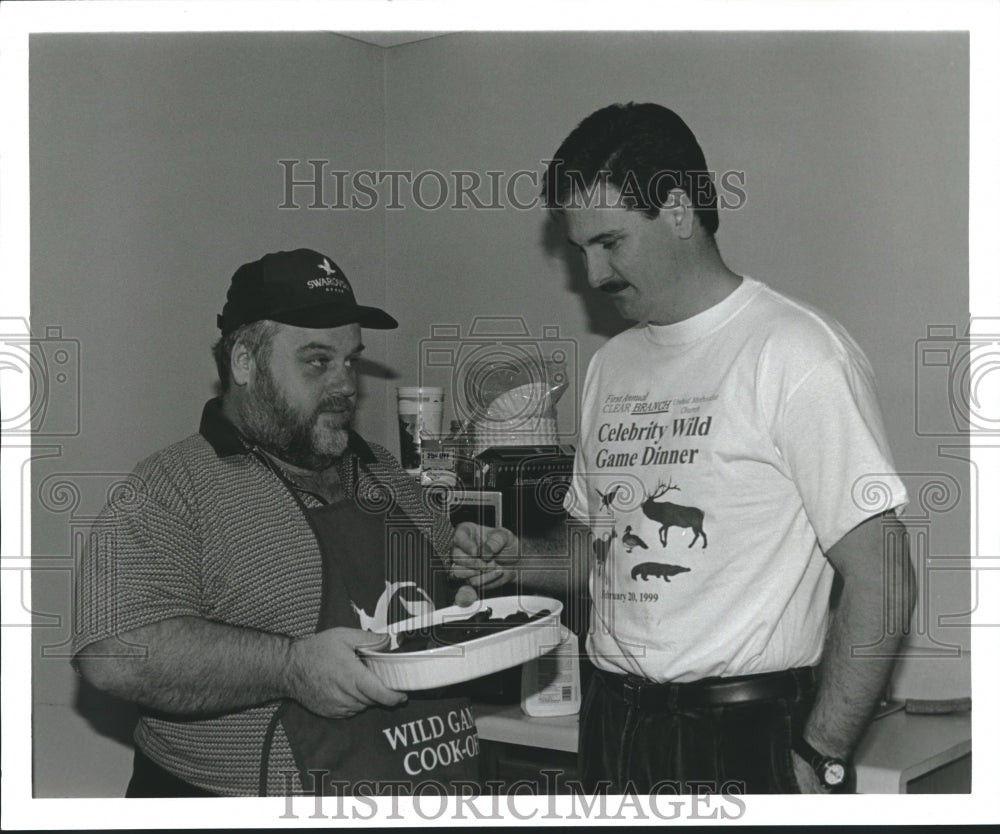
(819, 763)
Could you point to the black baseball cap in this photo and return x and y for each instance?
(301, 287)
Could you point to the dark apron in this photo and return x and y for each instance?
(381, 565)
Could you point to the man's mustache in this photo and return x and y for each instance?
(613, 286)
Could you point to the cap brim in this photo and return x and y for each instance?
(337, 316)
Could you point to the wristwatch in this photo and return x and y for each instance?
(832, 772)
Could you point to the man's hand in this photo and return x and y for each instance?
(483, 557)
(326, 676)
(465, 596)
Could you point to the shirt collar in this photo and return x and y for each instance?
(226, 439)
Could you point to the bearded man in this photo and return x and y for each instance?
(224, 592)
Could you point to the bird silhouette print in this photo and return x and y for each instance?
(631, 540)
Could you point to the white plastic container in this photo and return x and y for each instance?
(419, 412)
(550, 684)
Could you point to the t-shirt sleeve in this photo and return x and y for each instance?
(832, 436)
(142, 561)
(575, 502)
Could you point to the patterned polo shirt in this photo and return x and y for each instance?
(206, 528)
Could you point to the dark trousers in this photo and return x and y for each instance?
(737, 748)
(151, 780)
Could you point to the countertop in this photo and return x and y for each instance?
(897, 747)
(900, 747)
(508, 723)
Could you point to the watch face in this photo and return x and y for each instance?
(834, 774)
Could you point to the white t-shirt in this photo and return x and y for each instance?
(719, 457)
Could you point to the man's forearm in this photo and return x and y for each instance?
(557, 564)
(555, 578)
(189, 666)
(865, 635)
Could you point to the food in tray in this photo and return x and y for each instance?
(450, 632)
(510, 630)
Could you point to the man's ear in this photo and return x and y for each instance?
(679, 213)
(240, 364)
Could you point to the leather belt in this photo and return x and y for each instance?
(709, 692)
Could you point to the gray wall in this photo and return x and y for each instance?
(154, 174)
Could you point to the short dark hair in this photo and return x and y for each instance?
(644, 150)
(256, 336)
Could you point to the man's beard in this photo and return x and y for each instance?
(268, 419)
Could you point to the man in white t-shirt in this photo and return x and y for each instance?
(732, 462)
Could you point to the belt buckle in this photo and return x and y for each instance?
(631, 691)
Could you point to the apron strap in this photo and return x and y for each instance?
(265, 756)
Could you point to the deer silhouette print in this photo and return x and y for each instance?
(674, 515)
